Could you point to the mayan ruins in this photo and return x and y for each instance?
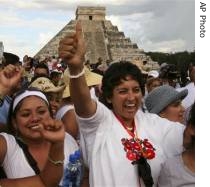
(102, 37)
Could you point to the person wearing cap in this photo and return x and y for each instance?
(106, 123)
(166, 102)
(56, 77)
(152, 81)
(54, 93)
(152, 74)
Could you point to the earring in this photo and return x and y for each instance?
(109, 101)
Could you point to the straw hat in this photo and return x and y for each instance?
(44, 84)
(91, 78)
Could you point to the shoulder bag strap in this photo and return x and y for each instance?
(32, 162)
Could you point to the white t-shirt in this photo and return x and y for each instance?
(104, 153)
(190, 98)
(15, 163)
(62, 111)
(175, 173)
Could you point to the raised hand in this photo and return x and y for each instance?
(52, 130)
(10, 76)
(72, 48)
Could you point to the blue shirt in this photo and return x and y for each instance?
(4, 109)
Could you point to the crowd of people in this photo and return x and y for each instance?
(130, 130)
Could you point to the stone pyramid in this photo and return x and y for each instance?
(103, 39)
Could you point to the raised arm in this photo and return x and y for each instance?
(10, 76)
(72, 50)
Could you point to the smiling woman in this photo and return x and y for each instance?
(167, 103)
(36, 143)
(114, 128)
(14, 153)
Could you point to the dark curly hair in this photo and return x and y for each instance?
(114, 76)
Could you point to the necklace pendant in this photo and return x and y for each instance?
(129, 128)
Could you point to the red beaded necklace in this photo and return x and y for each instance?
(130, 130)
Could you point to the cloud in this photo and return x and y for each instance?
(17, 46)
(169, 21)
(166, 46)
(155, 25)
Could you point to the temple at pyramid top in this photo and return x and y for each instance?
(90, 13)
(103, 39)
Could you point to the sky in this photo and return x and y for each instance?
(155, 25)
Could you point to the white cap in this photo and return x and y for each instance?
(153, 73)
(56, 71)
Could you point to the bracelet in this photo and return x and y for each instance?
(56, 162)
(78, 75)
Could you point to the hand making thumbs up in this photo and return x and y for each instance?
(72, 48)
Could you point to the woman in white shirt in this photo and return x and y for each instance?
(104, 127)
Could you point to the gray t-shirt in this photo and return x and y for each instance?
(174, 173)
